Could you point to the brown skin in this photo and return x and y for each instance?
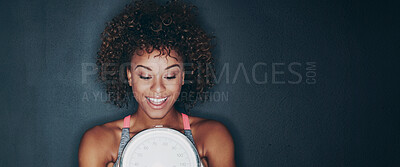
(99, 145)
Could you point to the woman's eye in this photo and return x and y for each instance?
(142, 77)
(173, 77)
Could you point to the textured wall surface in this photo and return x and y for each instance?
(310, 83)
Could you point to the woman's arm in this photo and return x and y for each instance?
(91, 149)
(219, 145)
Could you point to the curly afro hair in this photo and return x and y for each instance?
(144, 26)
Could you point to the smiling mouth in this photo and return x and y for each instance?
(155, 101)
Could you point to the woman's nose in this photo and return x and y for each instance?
(158, 86)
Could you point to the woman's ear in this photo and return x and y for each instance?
(129, 75)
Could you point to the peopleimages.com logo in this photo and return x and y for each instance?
(231, 73)
(264, 73)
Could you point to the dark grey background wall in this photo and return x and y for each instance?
(273, 51)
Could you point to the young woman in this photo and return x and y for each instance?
(162, 56)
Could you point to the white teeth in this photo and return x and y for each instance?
(157, 101)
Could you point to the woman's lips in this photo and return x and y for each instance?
(157, 103)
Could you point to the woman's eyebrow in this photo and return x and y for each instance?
(148, 68)
(174, 65)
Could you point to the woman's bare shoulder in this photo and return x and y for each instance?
(215, 140)
(103, 135)
(209, 127)
(102, 131)
(204, 122)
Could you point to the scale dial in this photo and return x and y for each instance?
(160, 147)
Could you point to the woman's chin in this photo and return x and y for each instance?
(156, 114)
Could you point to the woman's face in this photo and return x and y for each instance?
(156, 81)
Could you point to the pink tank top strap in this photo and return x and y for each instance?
(186, 127)
(127, 121)
(124, 139)
(186, 123)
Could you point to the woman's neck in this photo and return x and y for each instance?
(171, 120)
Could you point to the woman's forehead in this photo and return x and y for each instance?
(155, 59)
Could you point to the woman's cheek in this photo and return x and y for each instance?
(138, 91)
(177, 88)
